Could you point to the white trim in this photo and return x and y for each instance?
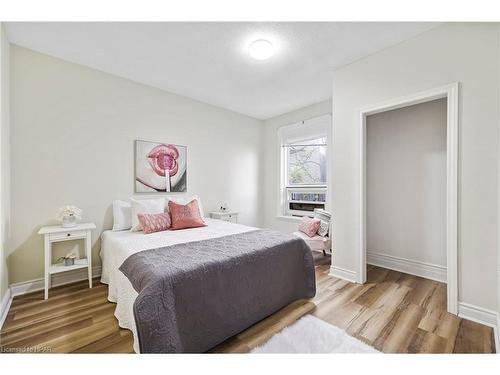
(451, 93)
(497, 334)
(342, 273)
(498, 222)
(481, 315)
(58, 279)
(477, 314)
(281, 158)
(422, 269)
(5, 306)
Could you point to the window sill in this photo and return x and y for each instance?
(288, 218)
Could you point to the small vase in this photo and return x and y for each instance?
(69, 261)
(68, 221)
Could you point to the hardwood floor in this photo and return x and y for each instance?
(398, 313)
(393, 311)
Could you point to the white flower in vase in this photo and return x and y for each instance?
(69, 215)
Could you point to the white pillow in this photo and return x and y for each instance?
(324, 226)
(122, 219)
(186, 200)
(145, 206)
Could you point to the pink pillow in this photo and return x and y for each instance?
(309, 226)
(154, 222)
(185, 215)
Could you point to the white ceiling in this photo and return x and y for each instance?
(209, 62)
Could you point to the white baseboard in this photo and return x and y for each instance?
(478, 314)
(344, 274)
(61, 278)
(4, 306)
(481, 315)
(426, 270)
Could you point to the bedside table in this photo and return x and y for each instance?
(225, 216)
(56, 233)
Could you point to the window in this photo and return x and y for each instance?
(304, 167)
(306, 162)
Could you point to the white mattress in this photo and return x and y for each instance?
(118, 246)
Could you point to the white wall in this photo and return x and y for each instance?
(406, 183)
(4, 161)
(73, 132)
(498, 198)
(467, 53)
(271, 166)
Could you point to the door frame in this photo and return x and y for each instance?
(451, 92)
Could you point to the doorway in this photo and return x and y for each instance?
(449, 95)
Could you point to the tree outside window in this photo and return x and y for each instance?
(307, 162)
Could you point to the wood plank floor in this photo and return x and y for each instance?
(398, 313)
(393, 311)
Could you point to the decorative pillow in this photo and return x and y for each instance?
(309, 226)
(186, 200)
(185, 215)
(154, 222)
(122, 219)
(145, 206)
(323, 228)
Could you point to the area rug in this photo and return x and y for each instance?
(313, 335)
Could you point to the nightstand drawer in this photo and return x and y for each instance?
(70, 235)
(232, 218)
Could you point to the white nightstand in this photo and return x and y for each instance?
(225, 216)
(57, 233)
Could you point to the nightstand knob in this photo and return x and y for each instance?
(69, 234)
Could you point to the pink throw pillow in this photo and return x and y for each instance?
(185, 215)
(154, 222)
(309, 226)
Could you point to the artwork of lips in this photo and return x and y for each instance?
(163, 158)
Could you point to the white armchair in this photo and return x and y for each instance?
(322, 240)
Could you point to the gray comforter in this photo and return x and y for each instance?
(193, 296)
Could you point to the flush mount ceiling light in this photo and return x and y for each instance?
(261, 49)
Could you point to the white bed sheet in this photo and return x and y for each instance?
(118, 246)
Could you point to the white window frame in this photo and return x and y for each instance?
(286, 189)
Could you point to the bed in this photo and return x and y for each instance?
(189, 290)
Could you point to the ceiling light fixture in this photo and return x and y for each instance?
(261, 49)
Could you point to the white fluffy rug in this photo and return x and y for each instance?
(312, 335)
